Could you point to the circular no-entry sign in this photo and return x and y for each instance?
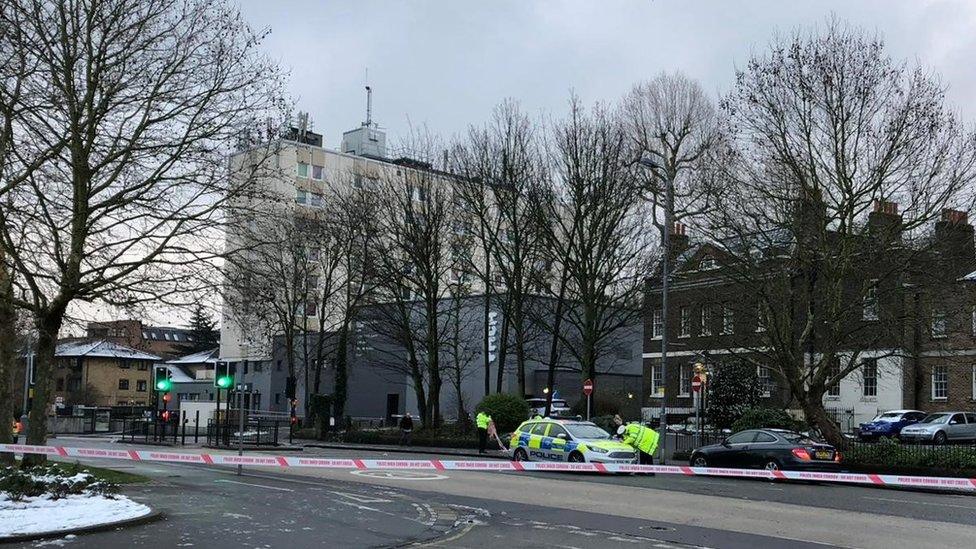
(588, 387)
(696, 384)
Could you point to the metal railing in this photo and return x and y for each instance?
(257, 432)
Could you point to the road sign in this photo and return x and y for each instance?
(696, 383)
(588, 387)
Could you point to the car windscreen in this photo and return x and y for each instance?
(587, 432)
(889, 417)
(937, 418)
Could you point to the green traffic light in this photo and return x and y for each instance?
(164, 385)
(224, 382)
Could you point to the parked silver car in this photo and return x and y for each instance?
(942, 427)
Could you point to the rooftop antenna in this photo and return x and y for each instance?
(369, 102)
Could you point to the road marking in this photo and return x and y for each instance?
(255, 485)
(970, 507)
(362, 499)
(398, 475)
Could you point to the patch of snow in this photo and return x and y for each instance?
(42, 514)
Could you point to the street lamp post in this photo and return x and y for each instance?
(665, 275)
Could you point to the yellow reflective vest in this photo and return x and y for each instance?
(640, 437)
(483, 420)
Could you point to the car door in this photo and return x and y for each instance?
(755, 453)
(957, 429)
(536, 436)
(971, 426)
(557, 439)
(729, 454)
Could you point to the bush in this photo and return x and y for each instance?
(764, 418)
(55, 480)
(507, 410)
(888, 453)
(733, 389)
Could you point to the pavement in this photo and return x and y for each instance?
(274, 507)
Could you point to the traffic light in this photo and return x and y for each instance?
(161, 379)
(223, 375)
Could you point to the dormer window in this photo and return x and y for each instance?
(707, 263)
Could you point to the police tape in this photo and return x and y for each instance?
(967, 484)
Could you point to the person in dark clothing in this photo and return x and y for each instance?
(406, 429)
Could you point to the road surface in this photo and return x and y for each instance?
(270, 507)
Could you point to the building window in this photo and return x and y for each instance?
(301, 197)
(141, 386)
(974, 382)
(869, 373)
(938, 324)
(315, 200)
(317, 172)
(685, 322)
(301, 170)
(833, 390)
(940, 382)
(142, 366)
(684, 388)
(74, 384)
(870, 302)
(657, 382)
(166, 335)
(657, 325)
(706, 320)
(765, 381)
(258, 367)
(123, 384)
(124, 364)
(728, 320)
(311, 308)
(59, 383)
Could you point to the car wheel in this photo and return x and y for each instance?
(520, 455)
(576, 457)
(771, 465)
(699, 461)
(939, 438)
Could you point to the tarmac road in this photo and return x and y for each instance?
(211, 507)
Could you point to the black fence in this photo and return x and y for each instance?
(257, 432)
(158, 430)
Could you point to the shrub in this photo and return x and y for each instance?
(760, 418)
(507, 410)
(20, 484)
(733, 389)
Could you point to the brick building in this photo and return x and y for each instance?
(913, 313)
(165, 341)
(102, 373)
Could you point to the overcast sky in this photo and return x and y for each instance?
(446, 63)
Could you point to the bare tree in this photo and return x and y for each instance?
(142, 101)
(607, 259)
(673, 123)
(591, 216)
(500, 163)
(417, 210)
(827, 128)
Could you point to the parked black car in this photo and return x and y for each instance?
(768, 449)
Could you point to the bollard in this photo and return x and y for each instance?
(196, 427)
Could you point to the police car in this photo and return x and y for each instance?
(567, 440)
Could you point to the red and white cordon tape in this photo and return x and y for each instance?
(968, 484)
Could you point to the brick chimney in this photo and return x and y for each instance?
(954, 238)
(679, 240)
(885, 222)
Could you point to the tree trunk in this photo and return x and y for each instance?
(502, 347)
(340, 392)
(48, 325)
(554, 344)
(8, 358)
(816, 415)
(433, 363)
(520, 352)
